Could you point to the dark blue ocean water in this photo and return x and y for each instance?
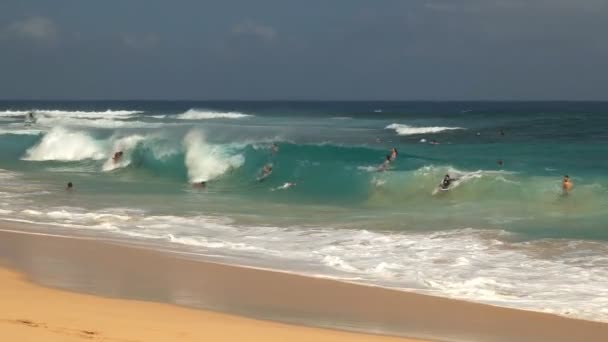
(499, 226)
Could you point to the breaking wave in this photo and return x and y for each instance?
(411, 130)
(206, 162)
(63, 145)
(198, 114)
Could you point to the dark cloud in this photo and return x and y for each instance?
(344, 49)
(258, 31)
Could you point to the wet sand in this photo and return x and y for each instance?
(118, 271)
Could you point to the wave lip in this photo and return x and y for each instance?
(73, 113)
(200, 114)
(402, 129)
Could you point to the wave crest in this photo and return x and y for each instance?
(198, 114)
(402, 129)
(206, 162)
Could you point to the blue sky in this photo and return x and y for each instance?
(352, 50)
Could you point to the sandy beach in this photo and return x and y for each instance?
(132, 293)
(34, 313)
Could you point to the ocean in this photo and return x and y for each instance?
(505, 234)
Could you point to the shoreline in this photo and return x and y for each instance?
(108, 269)
(31, 228)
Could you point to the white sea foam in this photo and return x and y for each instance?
(479, 265)
(205, 161)
(64, 145)
(199, 114)
(402, 129)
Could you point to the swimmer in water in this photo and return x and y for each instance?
(117, 156)
(434, 142)
(500, 162)
(394, 154)
(501, 132)
(567, 185)
(69, 187)
(447, 181)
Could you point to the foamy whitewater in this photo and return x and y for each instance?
(503, 234)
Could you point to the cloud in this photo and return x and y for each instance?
(262, 32)
(34, 28)
(139, 41)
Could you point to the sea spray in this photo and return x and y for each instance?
(63, 145)
(206, 162)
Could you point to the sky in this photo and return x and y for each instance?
(299, 50)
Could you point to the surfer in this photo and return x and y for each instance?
(285, 186)
(447, 181)
(265, 172)
(567, 185)
(117, 156)
(386, 164)
(394, 154)
(30, 119)
(199, 185)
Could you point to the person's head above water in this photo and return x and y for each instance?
(69, 186)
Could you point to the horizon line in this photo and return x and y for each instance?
(293, 100)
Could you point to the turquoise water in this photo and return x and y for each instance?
(504, 234)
